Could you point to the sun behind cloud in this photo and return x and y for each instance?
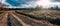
(32, 3)
(47, 3)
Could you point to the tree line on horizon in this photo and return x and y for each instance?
(36, 8)
(52, 8)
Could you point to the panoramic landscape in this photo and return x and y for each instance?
(29, 12)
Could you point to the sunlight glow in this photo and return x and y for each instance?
(47, 3)
(43, 3)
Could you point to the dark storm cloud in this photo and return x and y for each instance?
(30, 3)
(55, 0)
(18, 2)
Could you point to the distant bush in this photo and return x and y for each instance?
(38, 8)
(55, 8)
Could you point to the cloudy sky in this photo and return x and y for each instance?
(30, 3)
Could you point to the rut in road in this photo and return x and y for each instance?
(17, 19)
(31, 21)
(12, 21)
(20, 19)
(3, 19)
(53, 21)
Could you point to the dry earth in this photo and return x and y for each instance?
(24, 18)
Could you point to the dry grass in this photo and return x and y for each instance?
(51, 14)
(54, 14)
(42, 13)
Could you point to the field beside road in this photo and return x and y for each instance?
(42, 13)
(52, 16)
(30, 18)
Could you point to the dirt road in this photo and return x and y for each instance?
(12, 18)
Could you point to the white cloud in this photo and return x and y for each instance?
(47, 3)
(44, 3)
(29, 4)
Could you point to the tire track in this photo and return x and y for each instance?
(37, 21)
(12, 21)
(24, 18)
(31, 21)
(3, 21)
(16, 17)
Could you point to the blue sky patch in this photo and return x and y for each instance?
(56, 0)
(17, 2)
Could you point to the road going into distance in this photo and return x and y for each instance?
(15, 18)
